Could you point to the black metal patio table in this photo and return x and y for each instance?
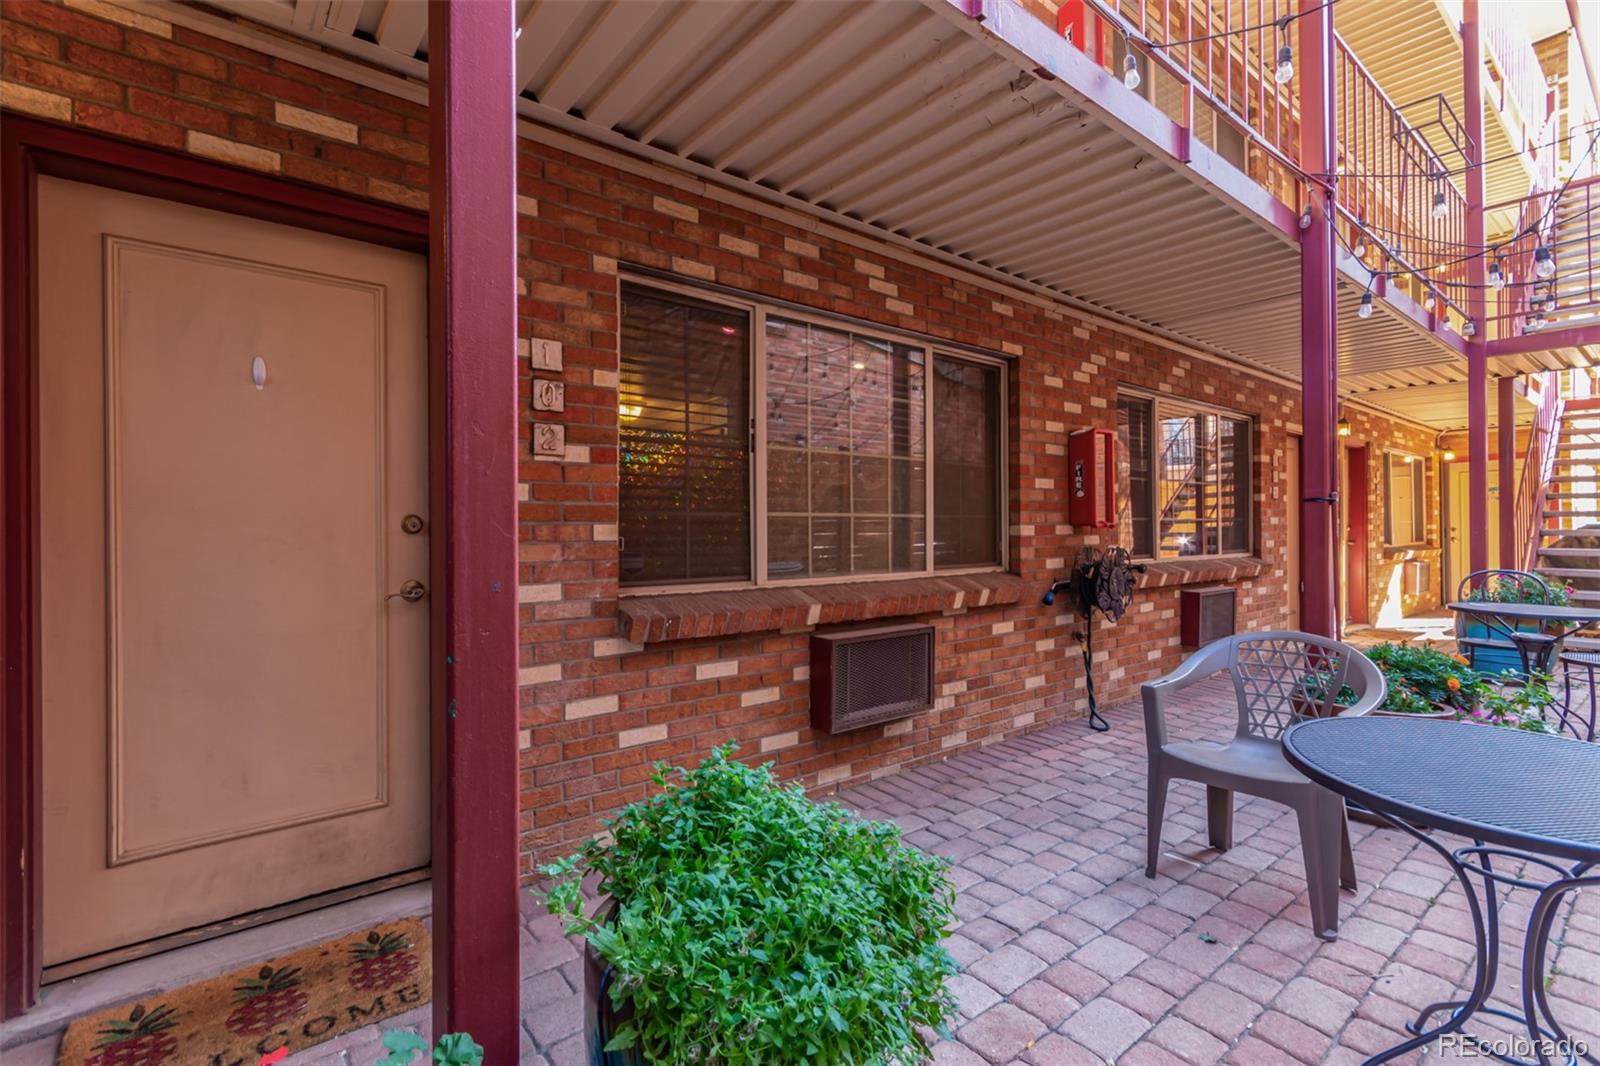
(1518, 796)
(1537, 650)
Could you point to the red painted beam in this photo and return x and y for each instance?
(1545, 341)
(472, 292)
(1506, 429)
(1319, 362)
(1477, 353)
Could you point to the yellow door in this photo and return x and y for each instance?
(233, 430)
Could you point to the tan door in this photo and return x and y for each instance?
(233, 427)
(1461, 524)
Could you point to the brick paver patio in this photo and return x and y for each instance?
(1070, 956)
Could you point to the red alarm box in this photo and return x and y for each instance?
(1092, 478)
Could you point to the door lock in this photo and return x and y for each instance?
(412, 524)
(411, 591)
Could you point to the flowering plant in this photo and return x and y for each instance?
(1423, 679)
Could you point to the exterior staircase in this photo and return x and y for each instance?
(1575, 242)
(1569, 537)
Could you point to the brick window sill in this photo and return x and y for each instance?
(691, 615)
(1174, 572)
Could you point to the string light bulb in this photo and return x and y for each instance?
(1469, 329)
(1427, 301)
(1360, 248)
(1548, 304)
(1441, 206)
(1130, 72)
(1544, 264)
(1365, 310)
(1497, 276)
(1284, 72)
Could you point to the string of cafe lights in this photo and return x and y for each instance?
(1544, 264)
(1282, 70)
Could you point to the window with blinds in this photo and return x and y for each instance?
(870, 444)
(1187, 479)
(683, 440)
(1404, 499)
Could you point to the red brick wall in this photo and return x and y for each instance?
(597, 710)
(1387, 599)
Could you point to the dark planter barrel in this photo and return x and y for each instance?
(600, 1018)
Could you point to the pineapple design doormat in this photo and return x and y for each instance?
(295, 1001)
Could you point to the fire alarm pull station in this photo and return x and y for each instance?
(1092, 468)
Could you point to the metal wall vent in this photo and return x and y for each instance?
(1205, 614)
(860, 677)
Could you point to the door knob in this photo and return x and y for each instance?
(411, 591)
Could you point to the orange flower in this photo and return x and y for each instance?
(1452, 684)
(1462, 659)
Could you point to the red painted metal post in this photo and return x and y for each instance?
(1477, 275)
(1511, 552)
(1319, 365)
(473, 329)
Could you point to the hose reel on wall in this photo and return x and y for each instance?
(1101, 581)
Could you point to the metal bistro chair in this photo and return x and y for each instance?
(1512, 649)
(1279, 678)
(1575, 720)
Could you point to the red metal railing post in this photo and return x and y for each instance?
(1506, 425)
(472, 293)
(1319, 366)
(1477, 350)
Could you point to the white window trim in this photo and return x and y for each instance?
(1419, 495)
(758, 312)
(1253, 437)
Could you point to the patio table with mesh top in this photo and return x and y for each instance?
(1521, 798)
(1537, 650)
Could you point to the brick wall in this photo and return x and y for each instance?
(1387, 599)
(597, 708)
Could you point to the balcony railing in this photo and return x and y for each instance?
(1398, 199)
(1522, 90)
(1564, 220)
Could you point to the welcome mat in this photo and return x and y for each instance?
(294, 1001)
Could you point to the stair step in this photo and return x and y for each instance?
(1571, 553)
(1588, 531)
(1572, 496)
(1568, 571)
(1587, 516)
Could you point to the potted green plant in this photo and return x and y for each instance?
(1497, 660)
(1424, 682)
(748, 924)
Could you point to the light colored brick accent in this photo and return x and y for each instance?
(605, 531)
(315, 122)
(608, 646)
(799, 280)
(1001, 628)
(648, 734)
(870, 269)
(739, 245)
(759, 696)
(403, 195)
(897, 729)
(117, 13)
(726, 668)
(524, 739)
(676, 209)
(527, 205)
(954, 740)
(799, 247)
(548, 593)
(888, 288)
(604, 379)
(779, 742)
(694, 268)
(833, 773)
(244, 155)
(539, 675)
(35, 101)
(588, 708)
(899, 307)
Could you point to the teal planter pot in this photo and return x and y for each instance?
(1492, 662)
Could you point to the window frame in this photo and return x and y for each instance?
(1419, 499)
(1158, 400)
(758, 310)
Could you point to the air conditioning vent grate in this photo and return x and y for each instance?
(862, 677)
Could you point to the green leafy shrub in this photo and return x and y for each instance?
(453, 1049)
(1518, 705)
(1423, 679)
(755, 926)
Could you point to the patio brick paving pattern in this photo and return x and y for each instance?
(1070, 955)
